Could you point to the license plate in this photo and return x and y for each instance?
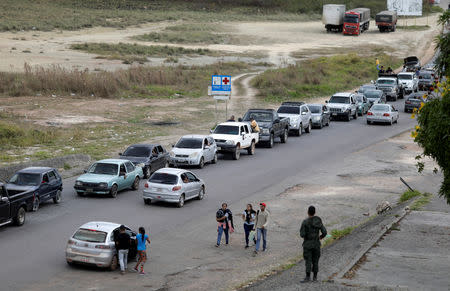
(89, 190)
(84, 259)
(159, 189)
(334, 114)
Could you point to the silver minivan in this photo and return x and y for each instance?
(173, 186)
(93, 244)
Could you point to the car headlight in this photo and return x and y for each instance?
(294, 120)
(316, 118)
(172, 154)
(265, 131)
(393, 89)
(229, 142)
(103, 185)
(347, 109)
(78, 183)
(193, 155)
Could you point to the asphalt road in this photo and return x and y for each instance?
(35, 252)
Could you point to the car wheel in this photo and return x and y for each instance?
(237, 152)
(181, 201)
(406, 110)
(81, 194)
(57, 197)
(284, 137)
(113, 191)
(251, 149)
(355, 116)
(70, 263)
(308, 129)
(396, 121)
(321, 124)
(147, 201)
(135, 185)
(214, 161)
(36, 203)
(114, 263)
(201, 194)
(146, 172)
(368, 122)
(349, 117)
(19, 219)
(300, 130)
(328, 122)
(391, 122)
(201, 164)
(270, 142)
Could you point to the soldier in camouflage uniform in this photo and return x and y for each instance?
(309, 231)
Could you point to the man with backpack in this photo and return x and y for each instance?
(309, 231)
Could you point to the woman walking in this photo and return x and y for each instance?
(249, 222)
(141, 239)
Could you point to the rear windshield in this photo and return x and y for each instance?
(259, 116)
(383, 18)
(26, 179)
(137, 152)
(373, 94)
(315, 108)
(89, 235)
(404, 77)
(386, 81)
(289, 109)
(424, 76)
(189, 143)
(164, 178)
(227, 129)
(380, 107)
(103, 169)
(340, 99)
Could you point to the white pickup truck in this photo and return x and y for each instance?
(232, 137)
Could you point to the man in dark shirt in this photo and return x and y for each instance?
(123, 242)
(309, 231)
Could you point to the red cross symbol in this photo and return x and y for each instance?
(225, 81)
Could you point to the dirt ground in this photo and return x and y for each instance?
(276, 40)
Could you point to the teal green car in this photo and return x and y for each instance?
(362, 104)
(109, 177)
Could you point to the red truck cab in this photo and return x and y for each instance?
(356, 21)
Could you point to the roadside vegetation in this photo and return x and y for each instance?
(413, 27)
(421, 202)
(320, 77)
(130, 53)
(407, 195)
(138, 81)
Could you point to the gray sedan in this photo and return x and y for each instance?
(173, 186)
(320, 115)
(93, 244)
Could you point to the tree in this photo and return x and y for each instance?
(433, 117)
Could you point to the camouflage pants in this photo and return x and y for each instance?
(311, 256)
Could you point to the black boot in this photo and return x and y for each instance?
(307, 278)
(315, 277)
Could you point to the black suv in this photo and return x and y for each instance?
(152, 157)
(40, 183)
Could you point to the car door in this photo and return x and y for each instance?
(304, 116)
(326, 114)
(162, 156)
(131, 175)
(53, 183)
(44, 188)
(207, 150)
(4, 205)
(213, 147)
(193, 184)
(122, 179)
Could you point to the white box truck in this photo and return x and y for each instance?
(333, 17)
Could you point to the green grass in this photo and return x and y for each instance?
(135, 52)
(407, 195)
(413, 27)
(139, 81)
(421, 202)
(319, 77)
(339, 233)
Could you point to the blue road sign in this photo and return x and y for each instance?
(221, 83)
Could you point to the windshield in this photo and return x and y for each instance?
(164, 178)
(26, 179)
(383, 18)
(315, 108)
(227, 129)
(103, 169)
(373, 94)
(340, 99)
(386, 81)
(380, 107)
(89, 235)
(425, 76)
(259, 116)
(289, 109)
(404, 77)
(351, 18)
(189, 143)
(137, 152)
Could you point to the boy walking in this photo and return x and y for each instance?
(122, 246)
(309, 231)
(262, 219)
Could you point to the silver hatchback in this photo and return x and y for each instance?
(173, 186)
(93, 244)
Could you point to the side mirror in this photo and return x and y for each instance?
(173, 145)
(120, 154)
(303, 113)
(5, 199)
(240, 119)
(326, 101)
(276, 121)
(85, 171)
(211, 131)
